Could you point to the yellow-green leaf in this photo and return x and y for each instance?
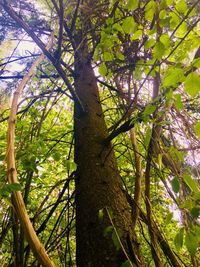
(102, 69)
(191, 242)
(192, 84)
(132, 4)
(175, 185)
(129, 25)
(191, 183)
(197, 128)
(178, 240)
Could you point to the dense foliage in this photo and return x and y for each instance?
(145, 55)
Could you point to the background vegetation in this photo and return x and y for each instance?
(145, 55)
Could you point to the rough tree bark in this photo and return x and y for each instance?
(98, 184)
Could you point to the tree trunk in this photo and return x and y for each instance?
(98, 186)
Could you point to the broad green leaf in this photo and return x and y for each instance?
(191, 242)
(150, 10)
(108, 230)
(195, 212)
(178, 102)
(162, 14)
(149, 43)
(166, 40)
(73, 165)
(176, 154)
(147, 136)
(117, 27)
(178, 240)
(173, 76)
(107, 43)
(192, 84)
(196, 195)
(119, 55)
(175, 185)
(196, 62)
(115, 240)
(132, 4)
(169, 2)
(197, 128)
(107, 56)
(56, 156)
(110, 21)
(2, 157)
(159, 50)
(136, 35)
(149, 109)
(129, 25)
(182, 6)
(181, 30)
(168, 218)
(103, 69)
(67, 163)
(11, 187)
(191, 183)
(174, 21)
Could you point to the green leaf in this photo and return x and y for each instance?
(56, 156)
(147, 136)
(182, 6)
(119, 55)
(181, 30)
(191, 242)
(173, 76)
(2, 157)
(175, 185)
(169, 2)
(191, 183)
(149, 109)
(73, 165)
(115, 240)
(108, 229)
(103, 69)
(197, 128)
(159, 50)
(174, 21)
(178, 240)
(196, 63)
(195, 212)
(132, 4)
(150, 9)
(117, 27)
(149, 43)
(166, 40)
(107, 43)
(168, 218)
(162, 14)
(176, 154)
(107, 56)
(9, 188)
(192, 84)
(178, 102)
(129, 25)
(136, 35)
